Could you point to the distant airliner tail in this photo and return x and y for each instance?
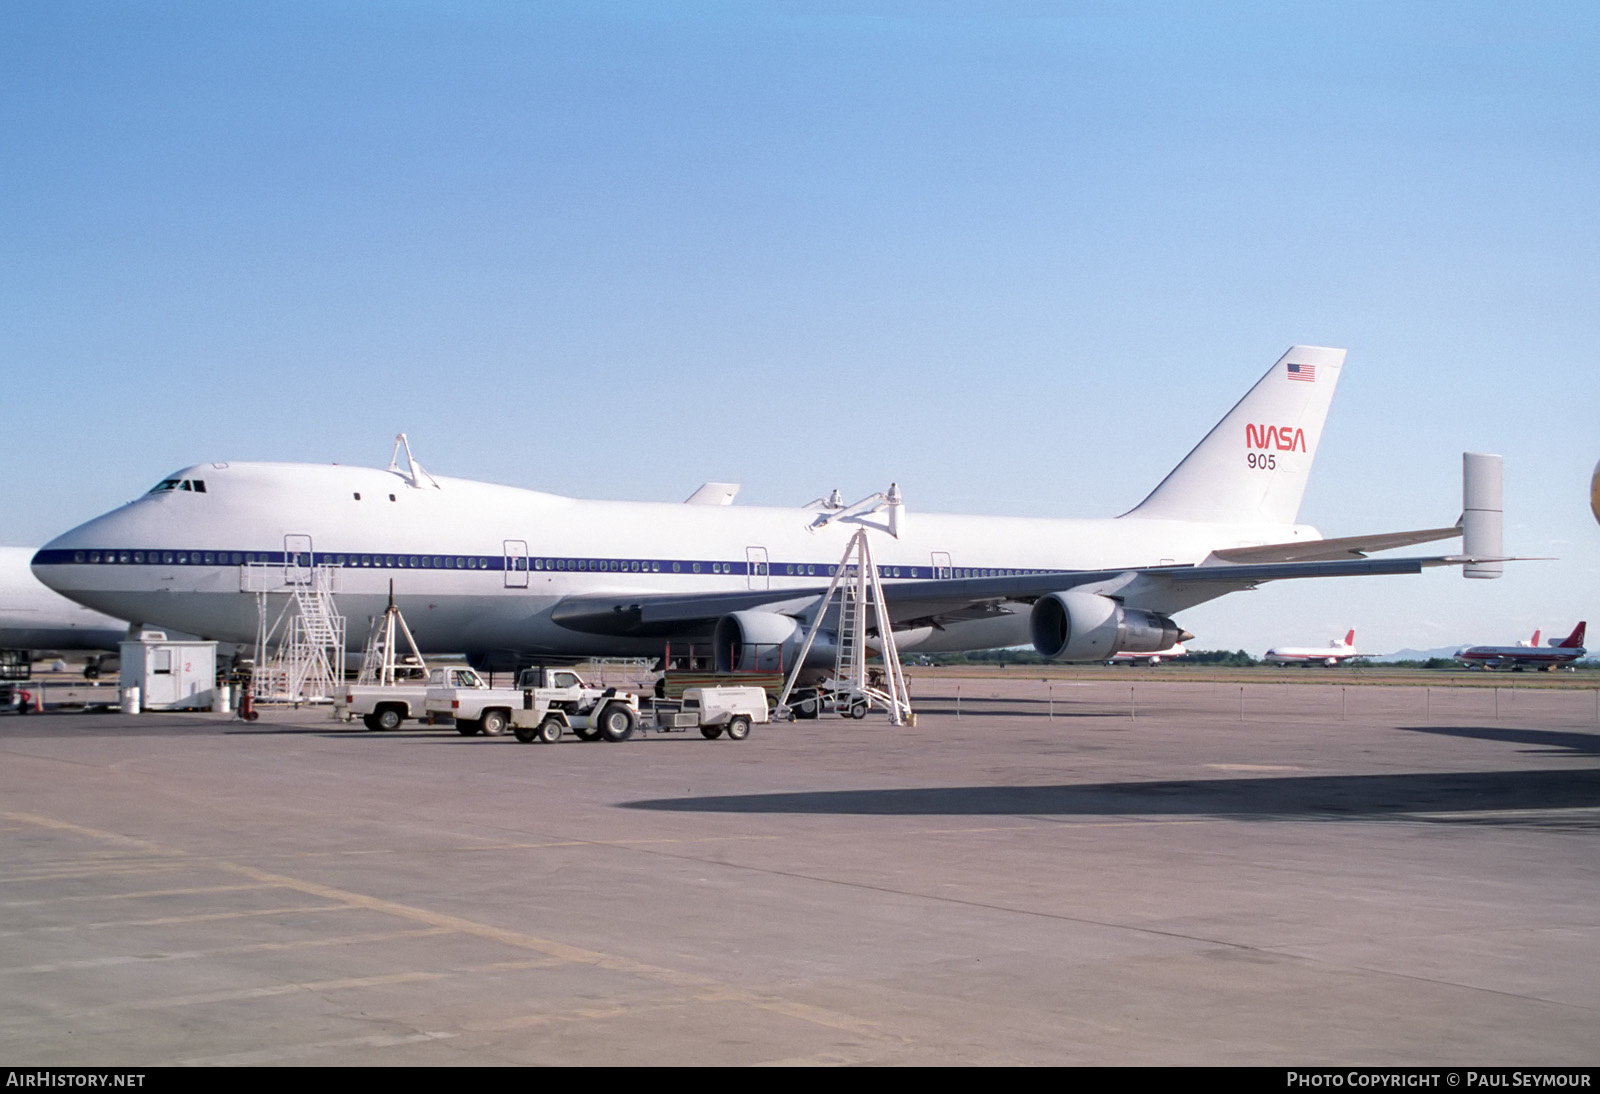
(1575, 639)
(1253, 467)
(1350, 637)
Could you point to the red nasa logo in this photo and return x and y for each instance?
(1281, 438)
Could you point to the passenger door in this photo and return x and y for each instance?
(297, 559)
(756, 560)
(516, 563)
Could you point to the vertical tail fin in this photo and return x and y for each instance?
(1575, 639)
(1253, 466)
(1350, 637)
(1535, 640)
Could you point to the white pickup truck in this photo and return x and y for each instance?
(381, 706)
(590, 712)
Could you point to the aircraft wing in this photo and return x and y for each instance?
(941, 600)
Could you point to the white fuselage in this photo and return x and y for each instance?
(477, 567)
(36, 617)
(1330, 654)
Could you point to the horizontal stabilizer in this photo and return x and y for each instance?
(1323, 550)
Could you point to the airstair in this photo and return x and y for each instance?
(300, 655)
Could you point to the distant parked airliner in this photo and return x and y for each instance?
(1519, 657)
(1331, 654)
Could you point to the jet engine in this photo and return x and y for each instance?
(753, 641)
(1079, 626)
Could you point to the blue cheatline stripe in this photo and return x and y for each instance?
(128, 556)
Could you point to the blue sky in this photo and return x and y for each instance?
(615, 250)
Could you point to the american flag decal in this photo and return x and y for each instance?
(1307, 373)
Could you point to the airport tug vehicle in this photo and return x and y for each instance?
(714, 711)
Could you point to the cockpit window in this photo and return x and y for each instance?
(197, 486)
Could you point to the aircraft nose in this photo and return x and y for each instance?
(66, 563)
(51, 563)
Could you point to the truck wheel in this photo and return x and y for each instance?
(808, 705)
(371, 722)
(589, 734)
(526, 734)
(388, 718)
(494, 722)
(710, 733)
(616, 722)
(550, 730)
(467, 727)
(858, 710)
(738, 727)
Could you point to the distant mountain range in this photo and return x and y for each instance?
(1416, 655)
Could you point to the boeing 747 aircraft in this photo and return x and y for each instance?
(512, 576)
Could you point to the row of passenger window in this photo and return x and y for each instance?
(240, 558)
(408, 562)
(626, 566)
(171, 558)
(468, 562)
(800, 570)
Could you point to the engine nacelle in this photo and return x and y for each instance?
(765, 642)
(1077, 626)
